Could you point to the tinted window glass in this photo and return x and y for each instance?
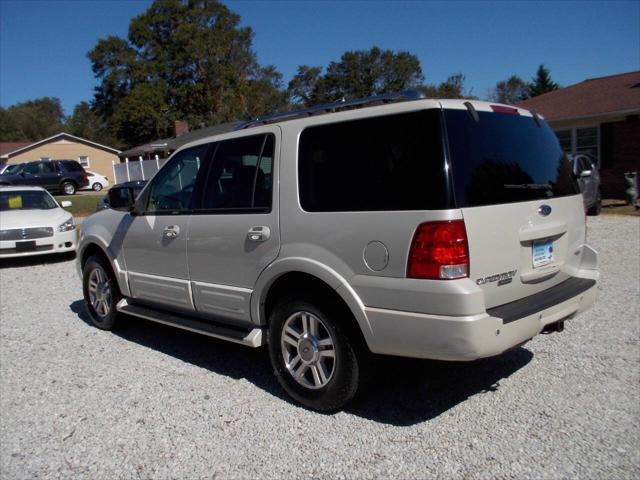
(173, 186)
(505, 158)
(241, 174)
(47, 167)
(70, 166)
(32, 168)
(385, 163)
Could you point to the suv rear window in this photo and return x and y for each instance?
(505, 158)
(393, 162)
(72, 166)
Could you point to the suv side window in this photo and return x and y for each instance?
(172, 188)
(394, 162)
(241, 175)
(31, 168)
(47, 167)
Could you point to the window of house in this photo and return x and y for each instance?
(84, 161)
(565, 140)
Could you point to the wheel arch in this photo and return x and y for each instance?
(94, 247)
(308, 276)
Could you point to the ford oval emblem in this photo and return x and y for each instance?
(544, 210)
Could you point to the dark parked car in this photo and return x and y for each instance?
(65, 176)
(135, 185)
(586, 171)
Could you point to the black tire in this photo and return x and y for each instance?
(101, 317)
(96, 187)
(342, 384)
(68, 188)
(596, 208)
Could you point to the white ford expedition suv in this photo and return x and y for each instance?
(449, 230)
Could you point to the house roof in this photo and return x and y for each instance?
(7, 147)
(596, 96)
(175, 143)
(24, 147)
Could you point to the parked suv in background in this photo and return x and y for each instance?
(65, 176)
(450, 230)
(586, 171)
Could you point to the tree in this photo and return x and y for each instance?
(357, 74)
(85, 123)
(32, 120)
(511, 90)
(453, 87)
(542, 82)
(182, 61)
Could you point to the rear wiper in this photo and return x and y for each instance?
(529, 186)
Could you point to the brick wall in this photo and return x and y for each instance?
(620, 145)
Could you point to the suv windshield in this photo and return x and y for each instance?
(26, 200)
(505, 158)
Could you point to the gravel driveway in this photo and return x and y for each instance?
(154, 402)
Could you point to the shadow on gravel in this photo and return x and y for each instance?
(36, 260)
(402, 392)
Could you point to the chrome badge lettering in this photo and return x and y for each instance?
(501, 278)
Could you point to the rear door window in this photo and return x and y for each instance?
(505, 158)
(241, 175)
(393, 162)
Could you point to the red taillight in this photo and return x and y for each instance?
(85, 177)
(439, 250)
(503, 109)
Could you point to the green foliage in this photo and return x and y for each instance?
(542, 82)
(32, 120)
(85, 123)
(453, 87)
(357, 74)
(182, 61)
(510, 91)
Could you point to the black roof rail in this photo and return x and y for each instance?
(333, 107)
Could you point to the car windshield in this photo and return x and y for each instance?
(26, 200)
(11, 169)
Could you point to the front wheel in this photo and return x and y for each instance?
(312, 355)
(596, 208)
(69, 188)
(101, 293)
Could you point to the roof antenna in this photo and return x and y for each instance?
(472, 112)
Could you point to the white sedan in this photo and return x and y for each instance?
(96, 182)
(32, 223)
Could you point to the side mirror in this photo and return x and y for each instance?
(65, 204)
(121, 199)
(585, 173)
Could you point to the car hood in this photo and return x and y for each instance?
(32, 218)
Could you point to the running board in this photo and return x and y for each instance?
(250, 338)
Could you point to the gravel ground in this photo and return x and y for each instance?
(154, 402)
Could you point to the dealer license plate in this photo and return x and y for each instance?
(542, 252)
(25, 246)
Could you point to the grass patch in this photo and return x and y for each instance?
(83, 205)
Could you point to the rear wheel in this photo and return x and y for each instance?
(101, 293)
(69, 188)
(96, 187)
(313, 357)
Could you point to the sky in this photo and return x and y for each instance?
(43, 43)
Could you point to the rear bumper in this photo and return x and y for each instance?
(471, 337)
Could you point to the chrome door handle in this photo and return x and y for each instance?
(259, 234)
(171, 231)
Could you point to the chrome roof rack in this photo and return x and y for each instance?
(333, 107)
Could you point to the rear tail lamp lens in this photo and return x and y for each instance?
(439, 250)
